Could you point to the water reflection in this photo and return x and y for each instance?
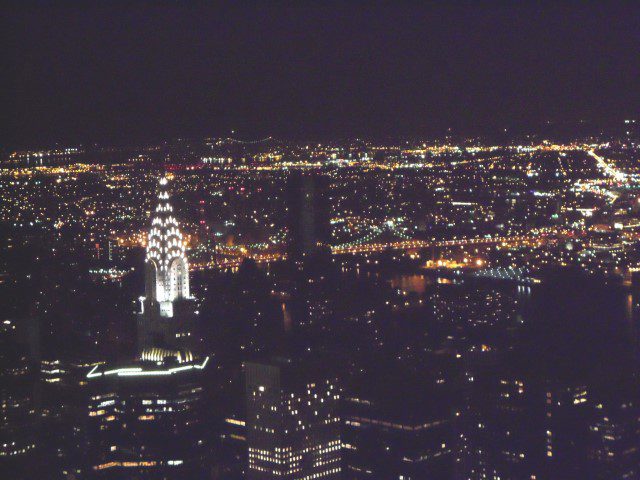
(412, 283)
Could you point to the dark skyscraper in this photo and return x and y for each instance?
(309, 227)
(146, 420)
(398, 426)
(20, 421)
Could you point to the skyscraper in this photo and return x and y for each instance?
(146, 419)
(293, 428)
(166, 266)
(146, 416)
(167, 316)
(308, 214)
(398, 426)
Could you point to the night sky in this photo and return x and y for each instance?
(122, 73)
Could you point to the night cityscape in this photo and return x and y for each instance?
(337, 240)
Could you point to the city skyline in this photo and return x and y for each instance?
(303, 241)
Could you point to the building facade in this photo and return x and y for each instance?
(146, 421)
(293, 427)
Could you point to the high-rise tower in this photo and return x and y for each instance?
(308, 220)
(293, 426)
(167, 316)
(147, 417)
(166, 265)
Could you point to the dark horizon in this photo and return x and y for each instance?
(118, 74)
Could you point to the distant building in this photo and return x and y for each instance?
(308, 220)
(293, 428)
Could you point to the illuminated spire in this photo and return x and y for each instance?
(167, 268)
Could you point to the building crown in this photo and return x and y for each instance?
(167, 267)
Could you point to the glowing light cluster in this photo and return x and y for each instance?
(141, 372)
(166, 259)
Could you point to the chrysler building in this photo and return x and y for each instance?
(166, 265)
(167, 310)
